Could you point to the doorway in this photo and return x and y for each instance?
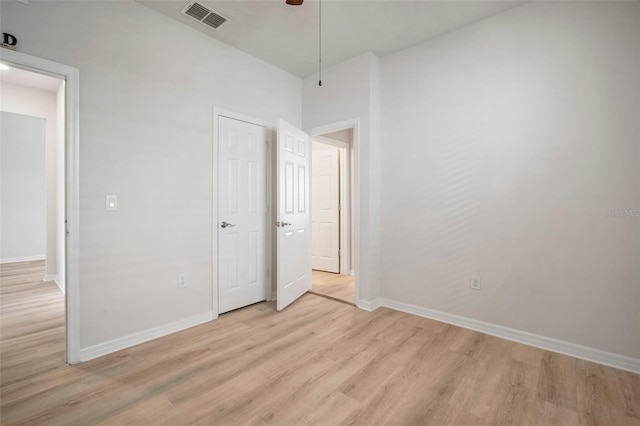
(32, 189)
(332, 223)
(35, 88)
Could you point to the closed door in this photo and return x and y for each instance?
(325, 207)
(293, 216)
(241, 214)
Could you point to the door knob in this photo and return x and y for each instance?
(282, 224)
(226, 225)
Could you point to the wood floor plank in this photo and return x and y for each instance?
(515, 396)
(317, 362)
(598, 399)
(315, 392)
(628, 388)
(557, 380)
(334, 408)
(549, 414)
(476, 393)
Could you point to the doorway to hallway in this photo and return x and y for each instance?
(332, 225)
(46, 244)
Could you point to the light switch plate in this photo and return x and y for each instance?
(111, 203)
(475, 282)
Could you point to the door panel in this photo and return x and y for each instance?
(325, 208)
(242, 204)
(293, 226)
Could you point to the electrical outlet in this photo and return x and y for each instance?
(475, 283)
(182, 280)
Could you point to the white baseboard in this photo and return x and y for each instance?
(622, 362)
(369, 305)
(105, 348)
(22, 259)
(56, 279)
(274, 296)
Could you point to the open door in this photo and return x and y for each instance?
(293, 218)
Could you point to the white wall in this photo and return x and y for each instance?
(23, 204)
(41, 103)
(148, 86)
(349, 91)
(504, 145)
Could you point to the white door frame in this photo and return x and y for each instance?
(219, 112)
(71, 76)
(345, 204)
(354, 124)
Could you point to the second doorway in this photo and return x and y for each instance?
(332, 255)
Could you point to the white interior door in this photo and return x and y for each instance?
(325, 207)
(293, 216)
(241, 213)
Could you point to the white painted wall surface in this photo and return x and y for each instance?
(148, 86)
(23, 192)
(505, 143)
(348, 91)
(41, 103)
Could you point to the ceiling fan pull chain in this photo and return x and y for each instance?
(320, 43)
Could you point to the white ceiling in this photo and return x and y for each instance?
(30, 79)
(287, 36)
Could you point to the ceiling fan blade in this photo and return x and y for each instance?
(294, 2)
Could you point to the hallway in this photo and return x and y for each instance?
(32, 326)
(334, 286)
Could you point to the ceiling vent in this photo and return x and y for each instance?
(203, 14)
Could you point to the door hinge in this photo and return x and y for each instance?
(266, 144)
(339, 207)
(339, 253)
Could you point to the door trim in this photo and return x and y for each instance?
(217, 113)
(353, 123)
(71, 76)
(345, 195)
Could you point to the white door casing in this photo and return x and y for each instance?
(241, 214)
(325, 209)
(71, 76)
(293, 216)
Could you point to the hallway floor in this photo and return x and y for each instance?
(334, 286)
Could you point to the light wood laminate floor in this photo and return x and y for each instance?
(335, 286)
(317, 362)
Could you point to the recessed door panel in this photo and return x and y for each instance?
(302, 188)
